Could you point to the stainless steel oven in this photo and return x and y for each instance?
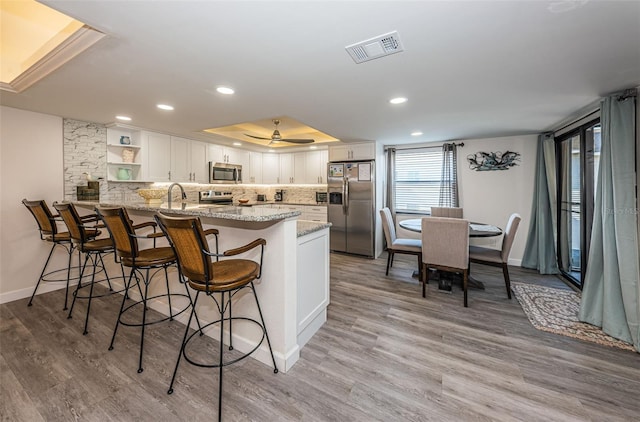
(225, 173)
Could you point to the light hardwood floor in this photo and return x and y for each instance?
(385, 354)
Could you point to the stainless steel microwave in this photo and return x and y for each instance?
(225, 173)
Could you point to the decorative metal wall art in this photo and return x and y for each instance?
(484, 161)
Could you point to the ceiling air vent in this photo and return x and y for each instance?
(373, 48)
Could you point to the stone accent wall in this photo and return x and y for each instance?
(84, 151)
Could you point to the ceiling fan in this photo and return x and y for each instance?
(276, 137)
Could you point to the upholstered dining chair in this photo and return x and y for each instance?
(143, 264)
(450, 212)
(445, 247)
(498, 257)
(84, 241)
(399, 245)
(220, 279)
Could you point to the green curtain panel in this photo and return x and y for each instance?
(540, 250)
(611, 294)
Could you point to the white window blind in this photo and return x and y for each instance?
(417, 177)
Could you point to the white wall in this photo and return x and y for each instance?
(492, 196)
(30, 167)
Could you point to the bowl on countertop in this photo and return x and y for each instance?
(243, 201)
(152, 196)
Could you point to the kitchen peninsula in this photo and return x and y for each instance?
(294, 288)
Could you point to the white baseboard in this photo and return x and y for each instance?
(45, 287)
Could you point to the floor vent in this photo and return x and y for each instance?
(376, 47)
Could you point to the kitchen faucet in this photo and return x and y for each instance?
(184, 195)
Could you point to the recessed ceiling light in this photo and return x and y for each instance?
(165, 107)
(225, 90)
(125, 118)
(416, 133)
(398, 100)
(313, 147)
(272, 150)
(238, 144)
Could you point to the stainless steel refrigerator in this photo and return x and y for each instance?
(351, 208)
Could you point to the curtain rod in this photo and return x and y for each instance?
(574, 121)
(460, 144)
(628, 93)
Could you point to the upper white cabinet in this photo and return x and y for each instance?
(238, 156)
(270, 168)
(221, 154)
(254, 173)
(360, 151)
(180, 159)
(315, 169)
(216, 154)
(287, 169)
(157, 162)
(199, 163)
(124, 155)
(188, 160)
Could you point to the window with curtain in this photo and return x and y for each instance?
(418, 174)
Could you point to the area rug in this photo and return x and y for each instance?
(556, 311)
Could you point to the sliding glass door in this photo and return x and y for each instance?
(578, 155)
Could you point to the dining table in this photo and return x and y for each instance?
(476, 230)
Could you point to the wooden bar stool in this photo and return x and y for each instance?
(84, 241)
(144, 265)
(223, 278)
(49, 233)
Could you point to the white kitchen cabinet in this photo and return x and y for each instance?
(254, 174)
(315, 168)
(216, 154)
(228, 155)
(199, 162)
(238, 156)
(360, 151)
(180, 159)
(188, 160)
(286, 169)
(124, 160)
(157, 161)
(312, 260)
(300, 168)
(270, 168)
(314, 213)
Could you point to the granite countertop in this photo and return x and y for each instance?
(255, 214)
(307, 227)
(259, 203)
(230, 212)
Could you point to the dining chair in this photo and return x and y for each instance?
(144, 264)
(399, 245)
(450, 212)
(498, 257)
(220, 279)
(445, 247)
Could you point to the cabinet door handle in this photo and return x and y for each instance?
(169, 175)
